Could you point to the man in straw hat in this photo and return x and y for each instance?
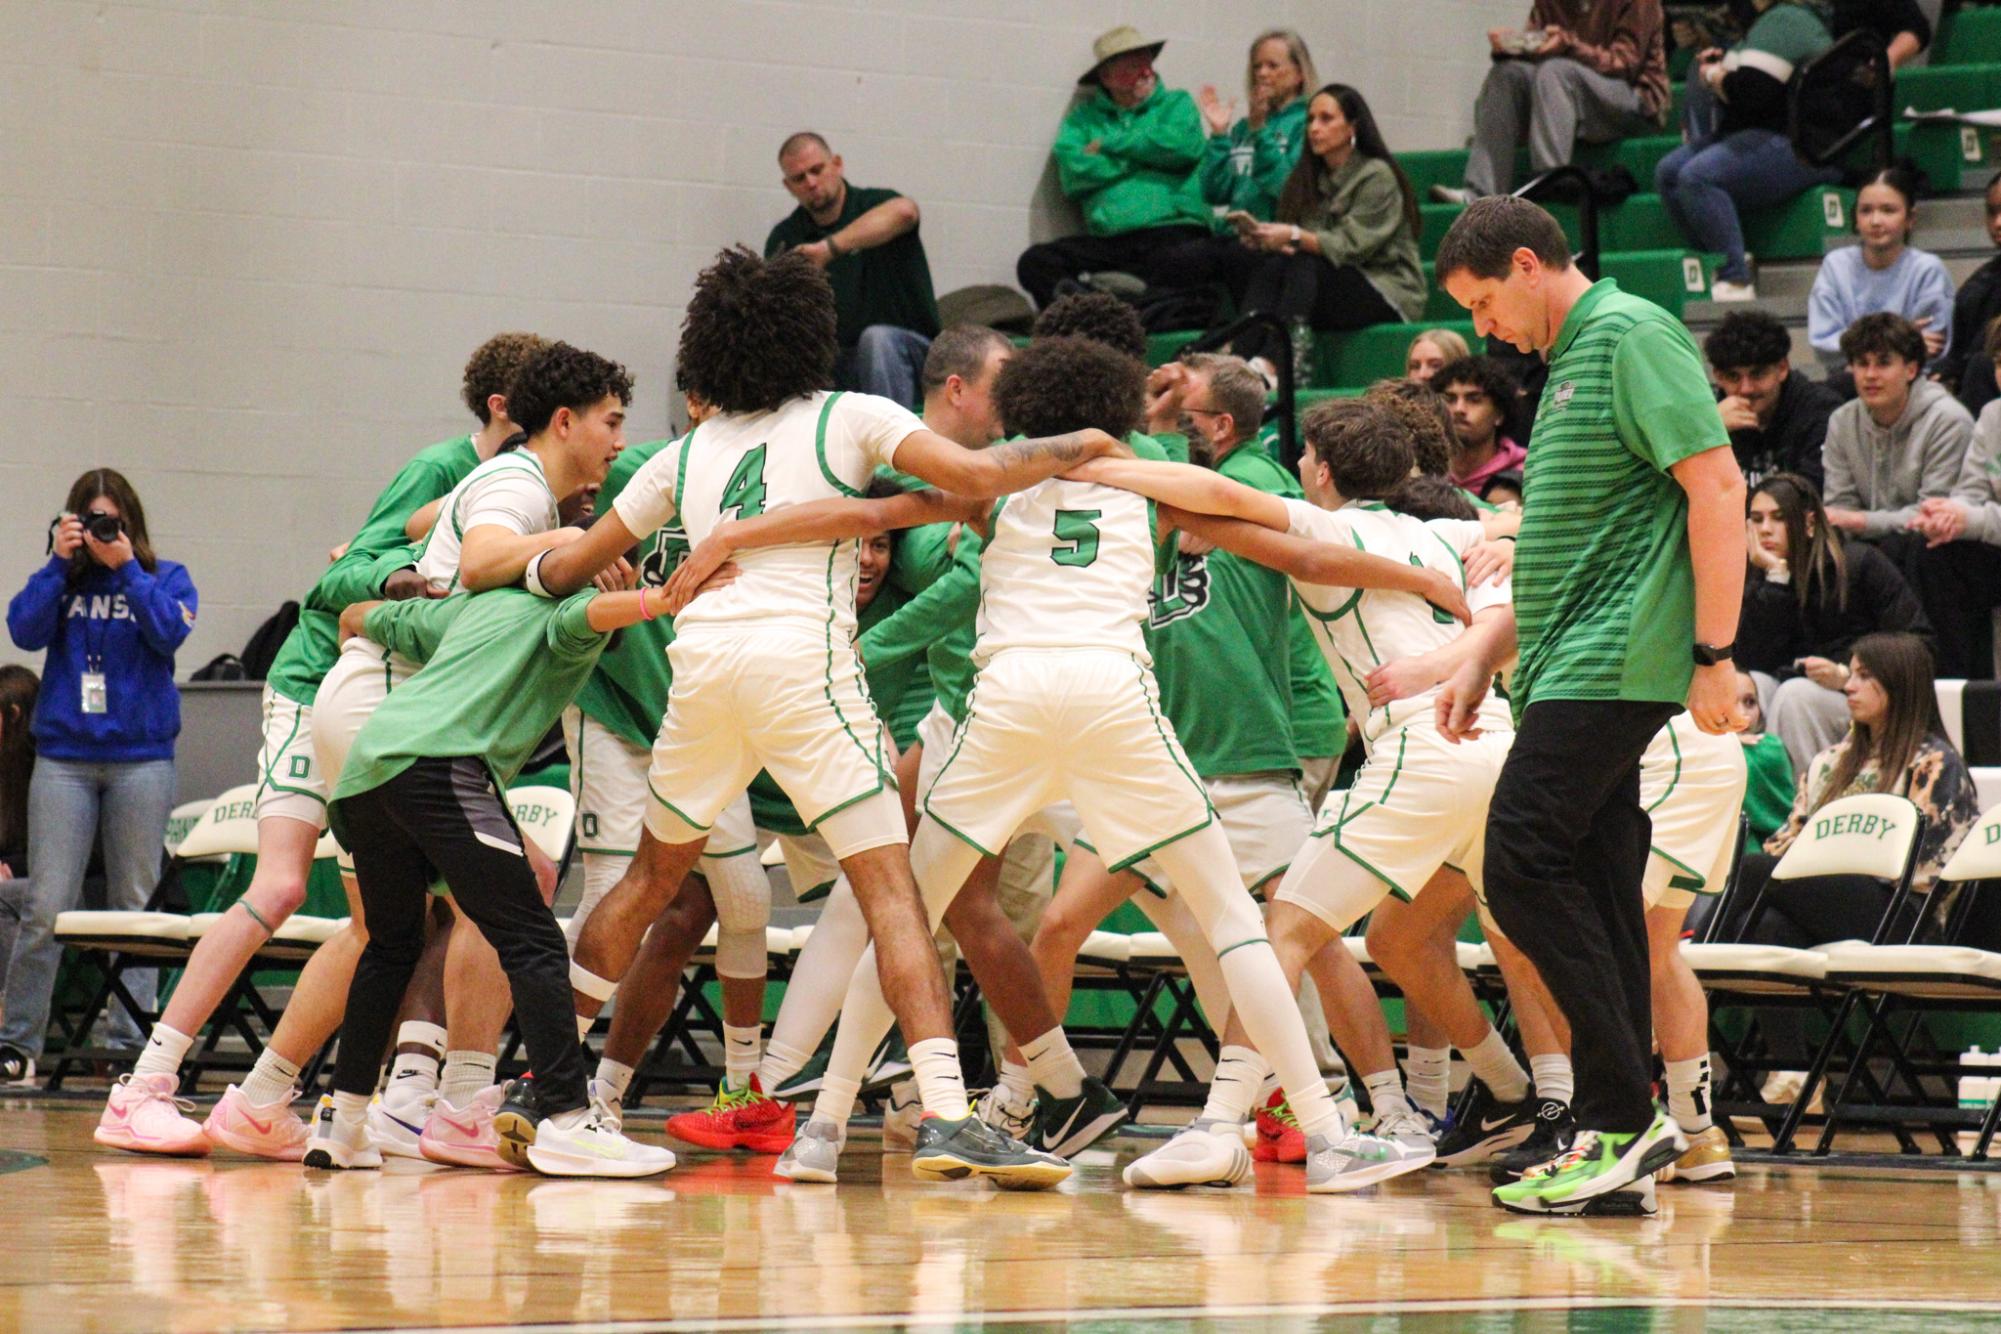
(1127, 154)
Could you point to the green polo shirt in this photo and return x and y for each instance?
(886, 284)
(1604, 591)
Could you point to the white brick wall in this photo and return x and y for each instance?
(245, 245)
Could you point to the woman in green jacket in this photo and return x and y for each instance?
(1244, 164)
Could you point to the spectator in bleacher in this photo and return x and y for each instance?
(1127, 154)
(17, 766)
(1958, 572)
(1884, 272)
(1808, 596)
(1736, 155)
(1896, 743)
(1248, 157)
(1581, 70)
(1343, 253)
(1899, 24)
(1432, 350)
(111, 615)
(866, 240)
(1902, 439)
(1478, 392)
(1777, 420)
(1968, 365)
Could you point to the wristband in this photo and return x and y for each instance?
(645, 613)
(531, 578)
(834, 250)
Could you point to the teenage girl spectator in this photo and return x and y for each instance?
(1883, 272)
(17, 764)
(1343, 253)
(1809, 596)
(111, 614)
(1432, 350)
(1737, 155)
(1246, 160)
(1968, 367)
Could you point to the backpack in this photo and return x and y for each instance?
(262, 650)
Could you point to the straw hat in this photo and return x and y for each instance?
(1122, 40)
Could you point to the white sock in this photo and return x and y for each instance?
(1052, 1065)
(1270, 1016)
(350, 1107)
(165, 1050)
(1234, 1089)
(272, 1080)
(1553, 1077)
(1386, 1092)
(616, 1076)
(417, 1071)
(1428, 1078)
(465, 1074)
(940, 1082)
(780, 1062)
(836, 1102)
(1688, 1093)
(1497, 1068)
(740, 1054)
(1015, 1079)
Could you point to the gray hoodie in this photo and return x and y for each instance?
(1979, 487)
(1886, 471)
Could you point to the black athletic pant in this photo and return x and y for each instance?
(1048, 263)
(446, 813)
(1802, 914)
(1567, 846)
(1960, 586)
(1334, 297)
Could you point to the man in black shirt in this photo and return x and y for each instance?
(1777, 420)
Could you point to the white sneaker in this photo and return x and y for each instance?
(1409, 1129)
(337, 1142)
(1202, 1153)
(396, 1121)
(610, 1108)
(1357, 1161)
(1452, 194)
(900, 1117)
(1724, 290)
(593, 1148)
(1010, 1115)
(814, 1154)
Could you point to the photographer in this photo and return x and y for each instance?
(110, 614)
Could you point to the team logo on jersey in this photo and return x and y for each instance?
(669, 549)
(1180, 592)
(1562, 394)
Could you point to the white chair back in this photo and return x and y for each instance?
(1986, 784)
(1872, 833)
(183, 818)
(1979, 855)
(546, 814)
(229, 826)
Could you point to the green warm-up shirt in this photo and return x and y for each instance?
(886, 284)
(1143, 172)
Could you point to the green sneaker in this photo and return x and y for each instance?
(889, 1064)
(1067, 1126)
(1599, 1163)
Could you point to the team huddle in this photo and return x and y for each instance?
(1072, 605)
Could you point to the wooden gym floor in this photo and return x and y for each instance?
(111, 1242)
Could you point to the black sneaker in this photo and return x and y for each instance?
(16, 1066)
(521, 1110)
(1555, 1131)
(1485, 1128)
(1066, 1126)
(955, 1150)
(889, 1064)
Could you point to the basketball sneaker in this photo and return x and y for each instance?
(900, 1117)
(464, 1136)
(1487, 1128)
(999, 1109)
(955, 1150)
(17, 1068)
(396, 1119)
(1599, 1163)
(1356, 1161)
(814, 1154)
(612, 1109)
(1707, 1159)
(745, 1118)
(1066, 1126)
(1555, 1130)
(519, 1119)
(593, 1148)
(339, 1143)
(1202, 1153)
(144, 1115)
(1409, 1128)
(275, 1132)
(1279, 1139)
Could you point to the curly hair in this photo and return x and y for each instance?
(492, 366)
(1095, 315)
(1424, 416)
(1067, 383)
(561, 376)
(1747, 340)
(1430, 498)
(1362, 442)
(758, 332)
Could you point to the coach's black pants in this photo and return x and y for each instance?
(1567, 846)
(446, 813)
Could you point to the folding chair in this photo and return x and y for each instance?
(1873, 834)
(1150, 971)
(1917, 980)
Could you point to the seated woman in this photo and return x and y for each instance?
(1246, 160)
(1808, 596)
(1883, 272)
(1432, 351)
(1343, 253)
(1896, 743)
(1737, 155)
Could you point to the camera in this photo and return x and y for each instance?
(100, 525)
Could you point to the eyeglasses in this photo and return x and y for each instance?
(1203, 412)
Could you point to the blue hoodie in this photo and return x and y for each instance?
(130, 622)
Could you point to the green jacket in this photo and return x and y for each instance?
(1143, 174)
(1246, 168)
(1359, 219)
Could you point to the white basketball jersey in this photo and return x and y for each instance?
(1358, 630)
(508, 491)
(738, 465)
(1069, 566)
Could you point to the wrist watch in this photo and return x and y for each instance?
(1708, 655)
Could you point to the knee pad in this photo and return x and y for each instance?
(741, 890)
(740, 953)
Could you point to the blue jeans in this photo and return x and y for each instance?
(1707, 180)
(886, 360)
(71, 804)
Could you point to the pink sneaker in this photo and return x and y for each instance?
(275, 1132)
(464, 1136)
(144, 1116)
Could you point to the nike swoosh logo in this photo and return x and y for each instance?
(1487, 1124)
(415, 1130)
(1069, 1124)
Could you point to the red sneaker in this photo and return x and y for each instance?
(1279, 1137)
(746, 1118)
